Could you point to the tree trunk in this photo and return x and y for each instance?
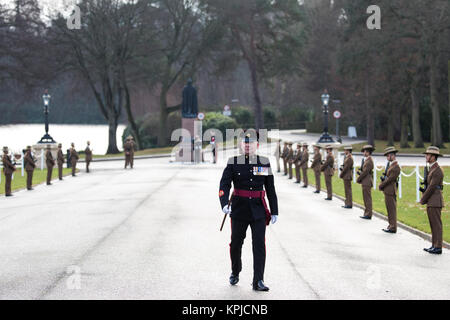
(416, 129)
(259, 117)
(369, 116)
(133, 125)
(404, 129)
(436, 129)
(163, 115)
(112, 133)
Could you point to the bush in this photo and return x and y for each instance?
(243, 116)
(270, 118)
(216, 120)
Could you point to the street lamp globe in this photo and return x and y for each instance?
(325, 98)
(46, 97)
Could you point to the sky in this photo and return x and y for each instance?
(48, 6)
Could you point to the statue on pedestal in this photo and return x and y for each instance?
(189, 106)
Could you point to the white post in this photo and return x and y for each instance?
(23, 162)
(417, 184)
(42, 159)
(339, 162)
(400, 186)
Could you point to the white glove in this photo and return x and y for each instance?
(227, 209)
(274, 219)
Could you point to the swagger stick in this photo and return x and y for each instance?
(225, 216)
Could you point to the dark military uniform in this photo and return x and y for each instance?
(328, 171)
(432, 197)
(284, 156)
(304, 165)
(347, 176)
(60, 161)
(250, 176)
(88, 159)
(290, 159)
(29, 163)
(297, 160)
(74, 159)
(50, 162)
(315, 165)
(389, 188)
(366, 180)
(8, 169)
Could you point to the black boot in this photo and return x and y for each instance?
(234, 279)
(260, 286)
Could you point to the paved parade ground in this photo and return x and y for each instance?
(153, 233)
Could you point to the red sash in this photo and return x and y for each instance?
(255, 194)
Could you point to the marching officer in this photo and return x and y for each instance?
(252, 178)
(73, 158)
(304, 165)
(60, 161)
(88, 153)
(290, 159)
(365, 179)
(278, 155)
(389, 187)
(432, 197)
(30, 164)
(284, 156)
(328, 171)
(50, 162)
(297, 161)
(346, 176)
(8, 169)
(315, 165)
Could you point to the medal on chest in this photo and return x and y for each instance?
(260, 171)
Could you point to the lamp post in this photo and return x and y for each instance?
(46, 138)
(325, 137)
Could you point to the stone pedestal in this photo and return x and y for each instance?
(192, 128)
(41, 148)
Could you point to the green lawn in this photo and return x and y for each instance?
(381, 145)
(408, 211)
(39, 176)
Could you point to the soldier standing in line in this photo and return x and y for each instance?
(127, 147)
(30, 164)
(290, 159)
(388, 185)
(366, 180)
(432, 197)
(88, 153)
(284, 156)
(304, 165)
(8, 169)
(60, 161)
(50, 162)
(297, 160)
(328, 171)
(347, 175)
(73, 159)
(252, 178)
(315, 165)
